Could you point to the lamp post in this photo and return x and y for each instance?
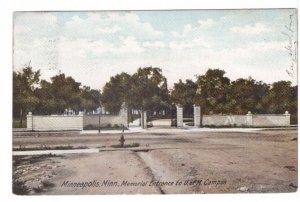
(100, 110)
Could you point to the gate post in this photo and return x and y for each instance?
(179, 113)
(29, 118)
(287, 118)
(144, 119)
(249, 119)
(124, 115)
(197, 116)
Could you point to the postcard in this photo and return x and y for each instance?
(155, 102)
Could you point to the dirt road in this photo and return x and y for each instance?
(208, 162)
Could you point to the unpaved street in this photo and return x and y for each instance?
(162, 163)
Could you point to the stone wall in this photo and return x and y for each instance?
(54, 122)
(105, 120)
(250, 120)
(74, 122)
(270, 120)
(224, 120)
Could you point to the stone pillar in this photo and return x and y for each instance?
(179, 112)
(287, 118)
(81, 122)
(144, 119)
(197, 116)
(141, 119)
(124, 114)
(249, 119)
(29, 119)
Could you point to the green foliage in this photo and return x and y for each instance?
(108, 127)
(24, 99)
(115, 92)
(246, 95)
(149, 88)
(43, 97)
(216, 94)
(66, 92)
(145, 89)
(16, 123)
(212, 91)
(23, 90)
(280, 98)
(135, 144)
(185, 95)
(90, 98)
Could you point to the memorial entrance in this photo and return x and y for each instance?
(172, 116)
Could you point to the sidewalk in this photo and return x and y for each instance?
(45, 152)
(193, 129)
(155, 129)
(163, 129)
(80, 151)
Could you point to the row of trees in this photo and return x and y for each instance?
(30, 93)
(216, 94)
(144, 90)
(147, 89)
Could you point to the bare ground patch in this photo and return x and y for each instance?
(260, 162)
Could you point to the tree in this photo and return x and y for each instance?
(66, 92)
(23, 91)
(149, 89)
(212, 92)
(90, 98)
(116, 91)
(293, 109)
(246, 95)
(47, 102)
(143, 90)
(63, 93)
(185, 94)
(279, 97)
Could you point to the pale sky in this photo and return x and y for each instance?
(93, 46)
